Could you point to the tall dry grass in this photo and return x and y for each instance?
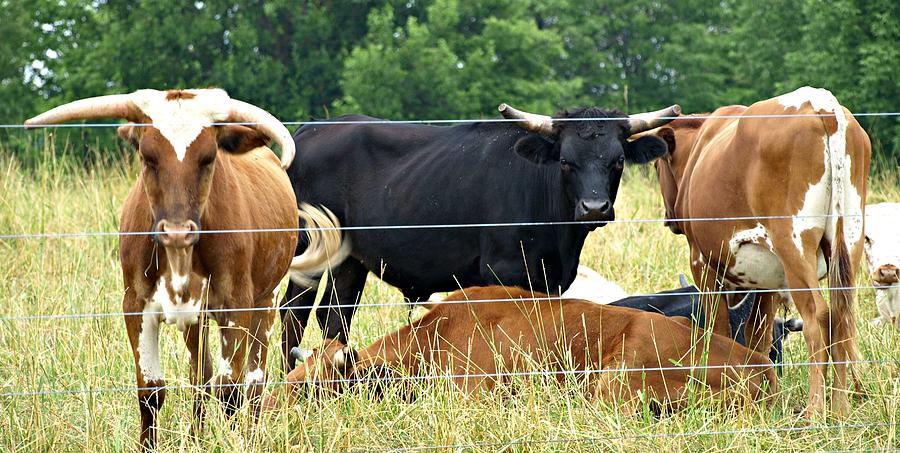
(90, 358)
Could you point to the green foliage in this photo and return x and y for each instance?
(460, 62)
(428, 59)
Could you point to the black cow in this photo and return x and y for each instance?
(536, 169)
(685, 301)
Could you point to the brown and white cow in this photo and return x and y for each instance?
(883, 258)
(197, 175)
(810, 172)
(477, 343)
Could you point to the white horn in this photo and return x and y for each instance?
(242, 112)
(112, 106)
(641, 122)
(541, 124)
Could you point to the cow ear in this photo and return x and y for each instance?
(667, 134)
(129, 133)
(239, 139)
(345, 358)
(645, 149)
(537, 149)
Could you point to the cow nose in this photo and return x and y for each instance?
(595, 210)
(887, 274)
(177, 234)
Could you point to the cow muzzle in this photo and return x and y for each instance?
(595, 210)
(177, 234)
(887, 274)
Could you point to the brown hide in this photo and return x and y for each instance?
(198, 176)
(551, 335)
(246, 191)
(775, 166)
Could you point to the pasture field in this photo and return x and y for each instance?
(89, 361)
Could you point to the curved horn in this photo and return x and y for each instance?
(641, 122)
(541, 124)
(242, 112)
(112, 106)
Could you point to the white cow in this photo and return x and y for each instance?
(883, 257)
(590, 285)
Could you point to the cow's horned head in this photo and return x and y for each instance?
(590, 146)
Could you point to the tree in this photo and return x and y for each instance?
(457, 62)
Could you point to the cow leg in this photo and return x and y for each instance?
(234, 337)
(143, 335)
(196, 340)
(296, 307)
(261, 326)
(343, 293)
(801, 276)
(761, 324)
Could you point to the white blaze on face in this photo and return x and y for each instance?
(882, 235)
(148, 344)
(180, 121)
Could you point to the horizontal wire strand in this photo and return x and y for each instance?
(413, 304)
(447, 121)
(434, 377)
(787, 429)
(434, 226)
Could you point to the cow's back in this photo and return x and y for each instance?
(398, 174)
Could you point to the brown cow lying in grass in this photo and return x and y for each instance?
(475, 343)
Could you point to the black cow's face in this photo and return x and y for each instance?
(591, 156)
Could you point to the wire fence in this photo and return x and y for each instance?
(444, 376)
(646, 436)
(61, 235)
(413, 304)
(328, 122)
(538, 373)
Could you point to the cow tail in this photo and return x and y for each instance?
(327, 247)
(841, 273)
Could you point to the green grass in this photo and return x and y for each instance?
(81, 275)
